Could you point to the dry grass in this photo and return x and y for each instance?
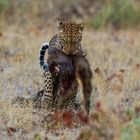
(114, 59)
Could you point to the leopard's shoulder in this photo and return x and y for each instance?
(55, 43)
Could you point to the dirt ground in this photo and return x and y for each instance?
(114, 57)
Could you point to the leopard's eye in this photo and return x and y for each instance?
(66, 42)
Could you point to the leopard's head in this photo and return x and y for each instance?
(70, 36)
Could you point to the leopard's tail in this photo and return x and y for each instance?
(42, 51)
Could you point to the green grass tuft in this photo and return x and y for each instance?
(119, 13)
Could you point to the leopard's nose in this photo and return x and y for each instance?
(69, 49)
(71, 52)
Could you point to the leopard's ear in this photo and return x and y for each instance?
(60, 26)
(59, 23)
(81, 26)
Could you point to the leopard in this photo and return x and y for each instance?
(68, 40)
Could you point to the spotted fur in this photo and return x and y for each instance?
(68, 40)
(70, 36)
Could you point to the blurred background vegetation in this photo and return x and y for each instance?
(96, 13)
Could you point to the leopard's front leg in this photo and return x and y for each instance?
(47, 98)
